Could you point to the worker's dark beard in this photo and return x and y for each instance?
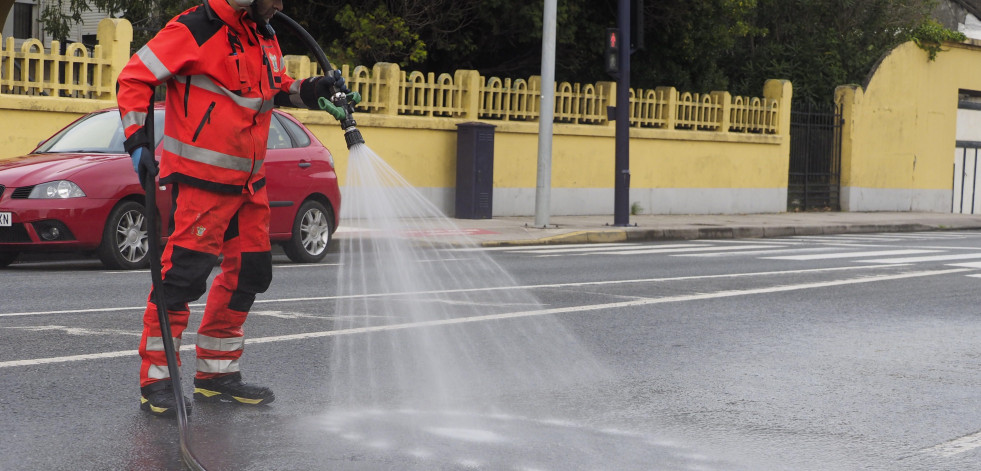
(265, 29)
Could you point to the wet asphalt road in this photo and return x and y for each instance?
(808, 353)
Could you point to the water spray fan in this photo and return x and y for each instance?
(341, 103)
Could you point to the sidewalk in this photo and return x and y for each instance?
(507, 231)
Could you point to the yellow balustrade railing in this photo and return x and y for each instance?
(429, 95)
(85, 73)
(507, 99)
(755, 115)
(32, 70)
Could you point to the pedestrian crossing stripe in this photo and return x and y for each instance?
(877, 253)
(525, 248)
(615, 249)
(935, 258)
(672, 250)
(738, 253)
(967, 265)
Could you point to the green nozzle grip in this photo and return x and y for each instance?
(338, 113)
(354, 97)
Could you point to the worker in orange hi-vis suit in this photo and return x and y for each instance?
(224, 73)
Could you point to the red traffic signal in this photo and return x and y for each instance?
(611, 58)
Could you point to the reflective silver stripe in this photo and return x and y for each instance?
(151, 62)
(206, 83)
(267, 105)
(230, 344)
(297, 101)
(295, 87)
(158, 372)
(207, 156)
(156, 344)
(134, 117)
(217, 366)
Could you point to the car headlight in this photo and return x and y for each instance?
(56, 189)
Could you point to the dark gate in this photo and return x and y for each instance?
(815, 157)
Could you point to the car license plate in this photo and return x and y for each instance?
(5, 219)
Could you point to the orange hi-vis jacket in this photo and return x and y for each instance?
(222, 74)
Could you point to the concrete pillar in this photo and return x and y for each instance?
(850, 98)
(670, 96)
(468, 84)
(115, 36)
(724, 100)
(389, 79)
(783, 92)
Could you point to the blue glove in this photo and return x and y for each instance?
(138, 147)
(143, 163)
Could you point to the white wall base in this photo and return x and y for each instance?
(858, 199)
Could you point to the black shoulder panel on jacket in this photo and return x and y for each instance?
(201, 27)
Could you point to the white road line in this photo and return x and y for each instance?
(755, 252)
(698, 249)
(966, 265)
(306, 265)
(672, 250)
(518, 248)
(491, 288)
(520, 314)
(559, 250)
(73, 311)
(875, 253)
(935, 258)
(956, 446)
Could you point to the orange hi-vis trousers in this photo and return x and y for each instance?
(208, 224)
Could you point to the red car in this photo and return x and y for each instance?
(78, 192)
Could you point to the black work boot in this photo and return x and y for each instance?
(230, 388)
(158, 399)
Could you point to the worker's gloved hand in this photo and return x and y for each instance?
(325, 86)
(138, 147)
(144, 163)
(331, 83)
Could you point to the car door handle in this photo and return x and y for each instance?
(305, 164)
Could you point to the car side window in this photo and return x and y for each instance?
(299, 137)
(278, 137)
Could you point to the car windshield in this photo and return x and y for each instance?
(96, 133)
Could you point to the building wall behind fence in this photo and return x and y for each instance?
(900, 129)
(690, 153)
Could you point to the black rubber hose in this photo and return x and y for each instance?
(307, 39)
(153, 243)
(352, 135)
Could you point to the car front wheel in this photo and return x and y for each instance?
(312, 229)
(124, 239)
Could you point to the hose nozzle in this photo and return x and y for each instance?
(353, 136)
(341, 107)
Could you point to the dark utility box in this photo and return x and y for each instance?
(474, 170)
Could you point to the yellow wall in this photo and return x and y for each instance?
(900, 129)
(423, 150)
(26, 121)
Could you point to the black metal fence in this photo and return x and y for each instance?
(965, 200)
(815, 157)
